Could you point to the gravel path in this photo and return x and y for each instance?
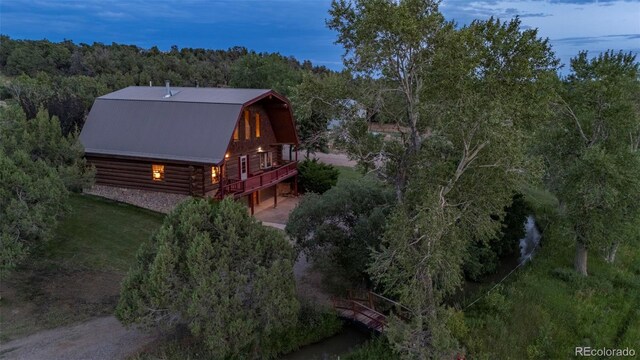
(152, 200)
(97, 339)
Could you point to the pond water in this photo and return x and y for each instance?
(331, 348)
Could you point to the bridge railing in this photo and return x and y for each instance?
(374, 318)
(380, 303)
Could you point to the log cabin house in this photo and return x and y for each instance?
(213, 142)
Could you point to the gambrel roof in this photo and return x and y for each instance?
(192, 125)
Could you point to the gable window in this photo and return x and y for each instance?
(247, 126)
(236, 134)
(257, 125)
(157, 172)
(215, 174)
(266, 160)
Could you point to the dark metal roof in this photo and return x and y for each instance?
(187, 94)
(194, 125)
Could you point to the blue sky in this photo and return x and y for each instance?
(297, 27)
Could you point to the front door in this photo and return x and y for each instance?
(243, 167)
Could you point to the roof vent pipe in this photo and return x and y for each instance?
(168, 94)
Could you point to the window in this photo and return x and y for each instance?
(236, 134)
(257, 125)
(247, 126)
(157, 172)
(215, 174)
(266, 160)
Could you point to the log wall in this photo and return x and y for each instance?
(187, 179)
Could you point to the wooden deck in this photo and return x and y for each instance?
(258, 182)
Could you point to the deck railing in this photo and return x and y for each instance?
(265, 179)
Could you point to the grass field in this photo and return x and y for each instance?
(77, 274)
(350, 173)
(100, 234)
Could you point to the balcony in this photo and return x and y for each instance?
(260, 181)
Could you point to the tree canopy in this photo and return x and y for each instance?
(218, 271)
(38, 168)
(592, 152)
(342, 227)
(462, 151)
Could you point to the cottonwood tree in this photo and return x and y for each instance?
(394, 41)
(217, 270)
(469, 99)
(316, 101)
(592, 149)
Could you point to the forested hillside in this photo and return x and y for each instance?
(64, 78)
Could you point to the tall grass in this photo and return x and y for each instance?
(547, 309)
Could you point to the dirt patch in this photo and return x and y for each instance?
(39, 298)
(96, 339)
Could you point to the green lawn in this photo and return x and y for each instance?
(100, 234)
(77, 274)
(351, 173)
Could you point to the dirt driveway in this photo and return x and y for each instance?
(97, 339)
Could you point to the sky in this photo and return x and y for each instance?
(297, 27)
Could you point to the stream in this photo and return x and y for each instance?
(529, 243)
(331, 348)
(350, 337)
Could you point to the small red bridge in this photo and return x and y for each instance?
(369, 309)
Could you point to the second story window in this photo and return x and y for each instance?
(157, 172)
(257, 125)
(236, 134)
(247, 126)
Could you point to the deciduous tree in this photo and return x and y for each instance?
(469, 99)
(341, 227)
(592, 150)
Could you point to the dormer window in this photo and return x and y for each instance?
(157, 172)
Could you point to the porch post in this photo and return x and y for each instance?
(250, 197)
(295, 185)
(275, 196)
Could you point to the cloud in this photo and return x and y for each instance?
(584, 40)
(113, 15)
